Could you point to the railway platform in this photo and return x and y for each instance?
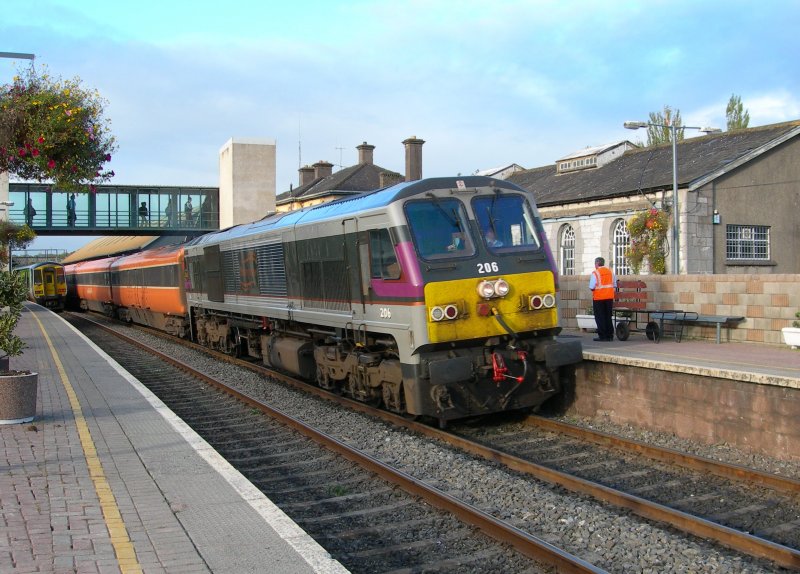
(750, 362)
(107, 479)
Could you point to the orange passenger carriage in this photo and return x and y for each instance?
(89, 285)
(148, 288)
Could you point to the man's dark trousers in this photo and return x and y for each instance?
(602, 316)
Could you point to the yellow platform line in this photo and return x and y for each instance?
(123, 548)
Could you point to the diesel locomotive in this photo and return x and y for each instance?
(434, 297)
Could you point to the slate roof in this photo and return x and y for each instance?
(350, 180)
(650, 169)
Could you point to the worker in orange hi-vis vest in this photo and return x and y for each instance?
(603, 284)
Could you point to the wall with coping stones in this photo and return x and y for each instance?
(768, 302)
(757, 418)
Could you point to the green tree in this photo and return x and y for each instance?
(662, 133)
(54, 130)
(738, 117)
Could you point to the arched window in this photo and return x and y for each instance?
(622, 240)
(567, 250)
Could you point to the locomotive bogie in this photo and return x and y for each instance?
(359, 373)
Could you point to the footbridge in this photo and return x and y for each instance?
(114, 210)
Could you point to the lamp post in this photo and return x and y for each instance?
(5, 207)
(676, 224)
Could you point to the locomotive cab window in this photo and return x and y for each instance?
(383, 259)
(506, 223)
(439, 228)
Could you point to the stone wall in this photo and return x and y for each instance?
(758, 418)
(769, 302)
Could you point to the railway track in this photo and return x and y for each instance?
(773, 516)
(346, 500)
(752, 512)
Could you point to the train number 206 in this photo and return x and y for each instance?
(492, 267)
(386, 313)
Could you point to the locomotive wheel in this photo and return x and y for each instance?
(653, 332)
(623, 330)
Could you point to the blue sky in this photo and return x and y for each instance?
(483, 83)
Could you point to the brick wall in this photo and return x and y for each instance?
(769, 302)
(758, 418)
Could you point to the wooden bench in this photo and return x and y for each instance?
(630, 300)
(685, 318)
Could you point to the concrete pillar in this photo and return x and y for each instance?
(246, 180)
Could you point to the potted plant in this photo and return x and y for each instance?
(791, 335)
(586, 322)
(17, 388)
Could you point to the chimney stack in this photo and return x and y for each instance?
(365, 153)
(306, 175)
(413, 158)
(322, 169)
(387, 178)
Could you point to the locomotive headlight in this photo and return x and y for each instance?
(486, 289)
(497, 288)
(549, 300)
(437, 313)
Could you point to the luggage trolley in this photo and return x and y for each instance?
(667, 320)
(630, 301)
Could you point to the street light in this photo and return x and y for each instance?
(676, 227)
(6, 207)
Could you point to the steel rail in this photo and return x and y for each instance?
(663, 454)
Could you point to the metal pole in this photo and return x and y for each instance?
(676, 231)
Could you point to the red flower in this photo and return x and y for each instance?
(51, 164)
(41, 139)
(22, 152)
(108, 157)
(35, 152)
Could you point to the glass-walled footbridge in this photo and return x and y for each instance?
(114, 210)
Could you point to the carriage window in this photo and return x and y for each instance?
(506, 222)
(439, 228)
(383, 260)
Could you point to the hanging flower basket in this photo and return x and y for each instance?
(648, 231)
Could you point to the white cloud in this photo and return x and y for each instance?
(774, 107)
